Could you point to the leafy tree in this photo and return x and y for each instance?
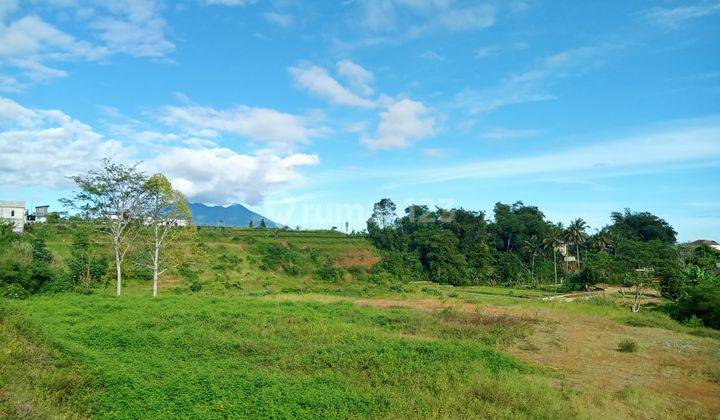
(114, 195)
(702, 301)
(642, 226)
(250, 225)
(86, 264)
(383, 214)
(444, 262)
(262, 223)
(167, 210)
(705, 257)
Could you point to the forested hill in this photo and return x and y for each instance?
(234, 215)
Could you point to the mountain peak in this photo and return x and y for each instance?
(235, 215)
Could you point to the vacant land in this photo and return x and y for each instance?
(420, 353)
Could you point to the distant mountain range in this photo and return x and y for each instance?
(234, 215)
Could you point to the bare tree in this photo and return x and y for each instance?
(168, 214)
(115, 195)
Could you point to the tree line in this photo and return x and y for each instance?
(518, 246)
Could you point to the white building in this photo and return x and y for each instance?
(14, 212)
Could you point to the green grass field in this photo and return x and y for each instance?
(202, 356)
(265, 336)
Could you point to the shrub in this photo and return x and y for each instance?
(14, 291)
(701, 301)
(328, 272)
(627, 346)
(195, 286)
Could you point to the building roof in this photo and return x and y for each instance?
(9, 203)
(704, 241)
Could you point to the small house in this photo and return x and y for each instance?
(14, 212)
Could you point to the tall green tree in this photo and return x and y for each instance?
(383, 214)
(168, 218)
(642, 226)
(115, 196)
(577, 234)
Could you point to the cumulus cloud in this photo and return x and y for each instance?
(357, 76)
(27, 44)
(402, 123)
(41, 147)
(317, 81)
(223, 176)
(133, 27)
(255, 123)
(31, 48)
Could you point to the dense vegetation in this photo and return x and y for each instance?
(520, 247)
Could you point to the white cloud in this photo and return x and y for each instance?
(462, 19)
(677, 16)
(316, 80)
(503, 133)
(432, 56)
(532, 85)
(134, 27)
(357, 76)
(280, 19)
(436, 152)
(414, 17)
(7, 7)
(495, 49)
(42, 147)
(223, 176)
(229, 2)
(255, 123)
(689, 142)
(403, 122)
(29, 44)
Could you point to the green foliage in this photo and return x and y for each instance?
(26, 269)
(701, 301)
(194, 355)
(642, 226)
(328, 272)
(277, 257)
(87, 263)
(627, 346)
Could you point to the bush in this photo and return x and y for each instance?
(701, 301)
(627, 346)
(328, 272)
(14, 291)
(195, 286)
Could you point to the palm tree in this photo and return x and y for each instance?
(602, 240)
(576, 233)
(552, 241)
(532, 246)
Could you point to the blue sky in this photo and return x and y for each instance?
(308, 112)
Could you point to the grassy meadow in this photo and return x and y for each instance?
(268, 335)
